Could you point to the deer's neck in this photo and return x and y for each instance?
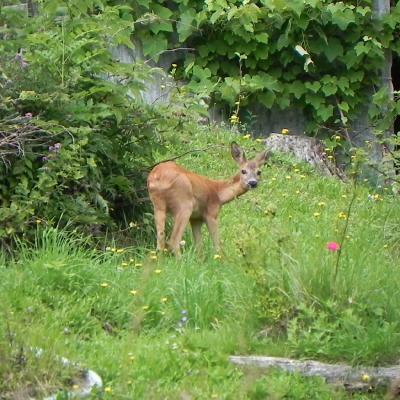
(229, 190)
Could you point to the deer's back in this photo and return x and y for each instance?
(175, 185)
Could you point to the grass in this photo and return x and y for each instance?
(155, 327)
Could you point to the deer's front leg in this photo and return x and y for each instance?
(196, 230)
(212, 225)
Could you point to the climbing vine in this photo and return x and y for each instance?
(321, 55)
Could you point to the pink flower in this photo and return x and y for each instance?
(333, 246)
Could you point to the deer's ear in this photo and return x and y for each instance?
(238, 153)
(262, 157)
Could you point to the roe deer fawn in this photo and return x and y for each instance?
(195, 198)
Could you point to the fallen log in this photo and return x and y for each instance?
(353, 379)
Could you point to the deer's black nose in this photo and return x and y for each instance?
(253, 184)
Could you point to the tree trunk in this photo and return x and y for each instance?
(32, 8)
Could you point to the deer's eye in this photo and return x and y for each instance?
(244, 172)
(258, 173)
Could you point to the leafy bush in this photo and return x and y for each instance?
(76, 140)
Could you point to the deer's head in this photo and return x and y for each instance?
(250, 171)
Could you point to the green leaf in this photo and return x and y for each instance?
(152, 47)
(325, 112)
(215, 17)
(297, 88)
(329, 89)
(234, 83)
(262, 38)
(201, 73)
(333, 50)
(162, 12)
(228, 93)
(185, 27)
(267, 98)
(344, 106)
(313, 86)
(297, 6)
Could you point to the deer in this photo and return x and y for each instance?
(197, 199)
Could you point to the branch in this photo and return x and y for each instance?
(350, 378)
(184, 154)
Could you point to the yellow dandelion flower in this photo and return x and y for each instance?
(297, 191)
(316, 214)
(107, 389)
(138, 265)
(330, 157)
(385, 246)
(104, 285)
(344, 196)
(342, 215)
(247, 136)
(164, 300)
(174, 65)
(337, 137)
(124, 264)
(157, 271)
(153, 257)
(144, 308)
(365, 378)
(258, 140)
(284, 131)
(273, 179)
(296, 170)
(290, 217)
(75, 387)
(133, 292)
(288, 177)
(302, 176)
(38, 221)
(217, 257)
(321, 204)
(113, 249)
(120, 250)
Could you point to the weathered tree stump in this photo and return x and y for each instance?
(350, 378)
(304, 148)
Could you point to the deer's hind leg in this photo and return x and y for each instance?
(181, 219)
(160, 215)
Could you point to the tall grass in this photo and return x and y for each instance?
(157, 327)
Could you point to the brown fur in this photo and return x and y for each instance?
(195, 198)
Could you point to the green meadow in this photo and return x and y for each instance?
(156, 327)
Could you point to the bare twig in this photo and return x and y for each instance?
(184, 154)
